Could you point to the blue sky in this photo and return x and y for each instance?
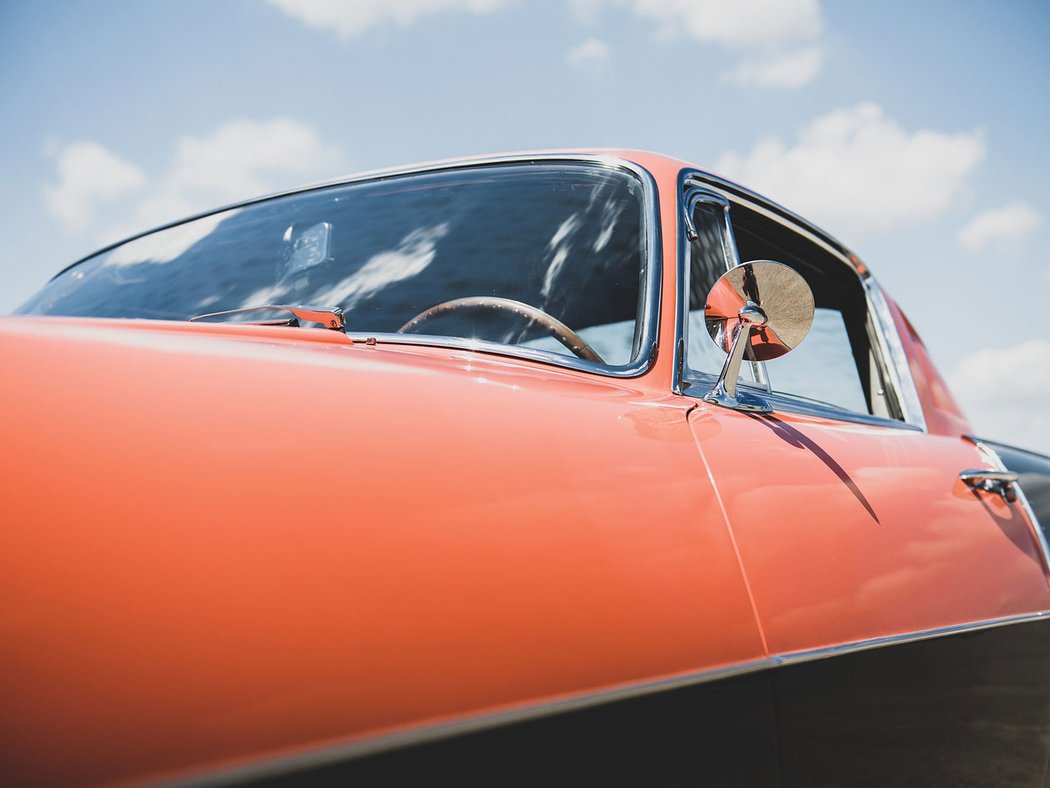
(914, 131)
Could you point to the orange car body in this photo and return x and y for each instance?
(234, 551)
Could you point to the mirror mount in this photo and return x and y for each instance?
(767, 309)
(724, 393)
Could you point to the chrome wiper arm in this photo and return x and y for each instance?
(331, 317)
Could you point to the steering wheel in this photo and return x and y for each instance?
(557, 329)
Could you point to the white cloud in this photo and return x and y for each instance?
(350, 18)
(1005, 392)
(789, 70)
(777, 38)
(88, 174)
(740, 24)
(1005, 226)
(855, 170)
(413, 254)
(592, 53)
(239, 160)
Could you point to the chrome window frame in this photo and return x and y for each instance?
(646, 327)
(894, 358)
(886, 346)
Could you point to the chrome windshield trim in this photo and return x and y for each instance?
(493, 348)
(893, 354)
(333, 754)
(649, 308)
(1037, 530)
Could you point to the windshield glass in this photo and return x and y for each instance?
(565, 239)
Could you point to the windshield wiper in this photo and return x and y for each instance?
(331, 317)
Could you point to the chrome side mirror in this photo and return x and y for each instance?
(762, 309)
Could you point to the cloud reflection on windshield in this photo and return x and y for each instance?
(415, 252)
(411, 257)
(167, 245)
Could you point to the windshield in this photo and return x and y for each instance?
(565, 240)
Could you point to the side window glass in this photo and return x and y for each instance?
(822, 368)
(836, 365)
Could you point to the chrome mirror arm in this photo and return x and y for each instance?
(724, 393)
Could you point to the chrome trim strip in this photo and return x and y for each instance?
(893, 353)
(443, 730)
(1040, 537)
(648, 318)
(812, 655)
(786, 403)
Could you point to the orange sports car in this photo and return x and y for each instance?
(572, 468)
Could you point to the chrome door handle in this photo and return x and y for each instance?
(999, 482)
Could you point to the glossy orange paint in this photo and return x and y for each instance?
(223, 542)
(851, 531)
(942, 412)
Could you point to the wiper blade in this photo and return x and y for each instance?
(331, 317)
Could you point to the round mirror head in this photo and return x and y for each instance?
(772, 298)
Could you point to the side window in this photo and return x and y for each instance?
(836, 365)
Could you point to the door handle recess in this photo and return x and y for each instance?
(999, 482)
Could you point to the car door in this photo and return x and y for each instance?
(905, 607)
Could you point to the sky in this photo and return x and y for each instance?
(913, 130)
